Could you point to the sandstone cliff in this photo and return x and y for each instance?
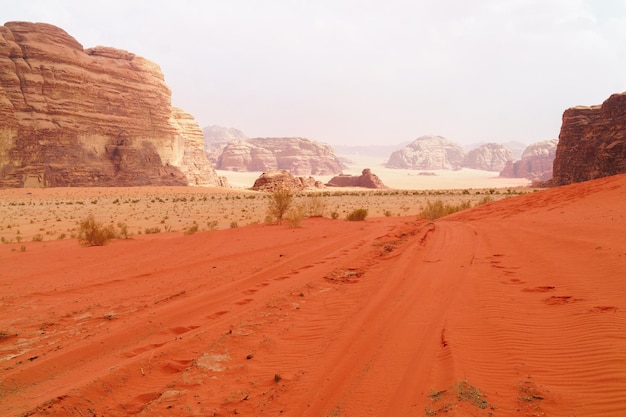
(367, 179)
(536, 162)
(89, 117)
(429, 153)
(592, 142)
(297, 155)
(488, 157)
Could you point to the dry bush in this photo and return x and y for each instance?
(279, 204)
(357, 215)
(317, 205)
(296, 215)
(438, 209)
(93, 233)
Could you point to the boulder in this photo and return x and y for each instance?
(536, 162)
(71, 116)
(592, 142)
(367, 179)
(428, 153)
(488, 157)
(283, 179)
(299, 156)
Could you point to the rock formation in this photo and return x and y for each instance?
(283, 179)
(89, 117)
(592, 142)
(536, 162)
(488, 157)
(296, 155)
(367, 179)
(216, 137)
(429, 153)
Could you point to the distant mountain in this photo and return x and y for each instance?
(516, 148)
(216, 136)
(428, 153)
(299, 156)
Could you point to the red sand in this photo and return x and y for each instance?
(515, 308)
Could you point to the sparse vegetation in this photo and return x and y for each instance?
(279, 204)
(357, 215)
(437, 209)
(191, 230)
(93, 233)
(295, 216)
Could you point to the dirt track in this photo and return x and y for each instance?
(513, 308)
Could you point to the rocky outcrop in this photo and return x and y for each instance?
(216, 138)
(536, 162)
(488, 157)
(283, 179)
(592, 142)
(367, 179)
(297, 155)
(89, 117)
(428, 153)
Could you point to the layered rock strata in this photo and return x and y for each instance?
(299, 156)
(90, 117)
(592, 142)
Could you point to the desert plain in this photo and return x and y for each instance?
(515, 307)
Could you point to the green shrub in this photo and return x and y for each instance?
(357, 215)
(93, 233)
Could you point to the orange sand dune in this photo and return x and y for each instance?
(514, 308)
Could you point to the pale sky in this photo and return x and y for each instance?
(369, 71)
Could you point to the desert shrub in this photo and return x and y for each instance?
(387, 213)
(152, 230)
(212, 225)
(123, 230)
(317, 206)
(234, 225)
(93, 233)
(357, 215)
(191, 230)
(437, 209)
(486, 199)
(38, 238)
(295, 215)
(279, 204)
(334, 215)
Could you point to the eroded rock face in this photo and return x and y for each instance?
(428, 153)
(536, 162)
(297, 155)
(367, 179)
(488, 157)
(89, 117)
(283, 179)
(592, 142)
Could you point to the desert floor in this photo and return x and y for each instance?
(512, 308)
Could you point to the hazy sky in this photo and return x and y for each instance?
(368, 71)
